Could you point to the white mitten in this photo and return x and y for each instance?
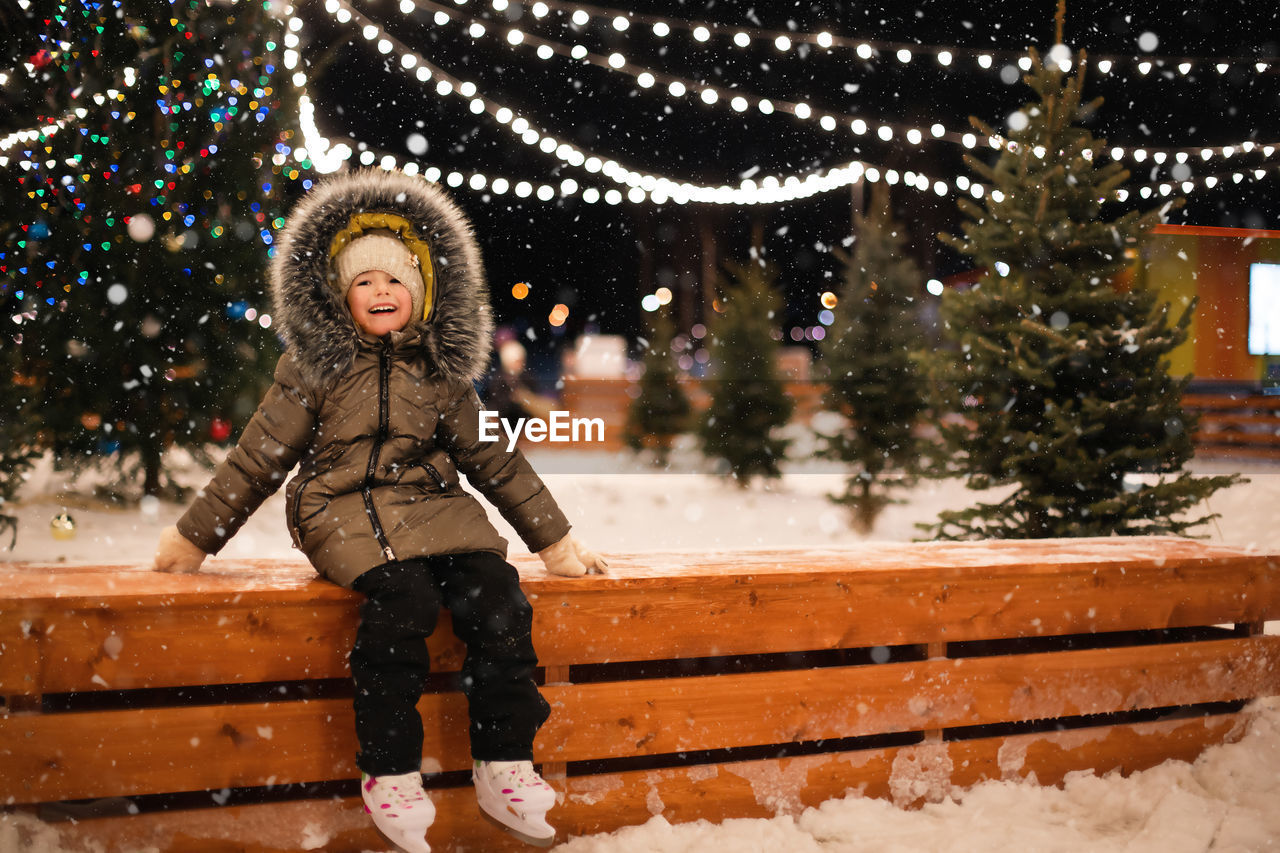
(570, 558)
(175, 553)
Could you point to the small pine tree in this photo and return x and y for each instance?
(867, 364)
(748, 402)
(139, 224)
(662, 410)
(1062, 378)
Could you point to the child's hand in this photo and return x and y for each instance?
(570, 558)
(174, 553)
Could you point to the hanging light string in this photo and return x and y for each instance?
(677, 87)
(659, 189)
(702, 32)
(769, 190)
(318, 154)
(729, 96)
(1186, 187)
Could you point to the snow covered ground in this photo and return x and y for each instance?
(1229, 800)
(616, 503)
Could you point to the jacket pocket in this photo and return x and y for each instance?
(435, 476)
(295, 512)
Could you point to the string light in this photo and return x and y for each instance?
(678, 87)
(702, 32)
(323, 156)
(659, 189)
(326, 160)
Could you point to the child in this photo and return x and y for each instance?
(382, 304)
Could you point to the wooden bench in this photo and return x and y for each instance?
(212, 712)
(1243, 425)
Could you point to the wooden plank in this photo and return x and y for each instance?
(651, 606)
(1261, 440)
(161, 750)
(556, 677)
(21, 663)
(86, 754)
(1237, 451)
(662, 716)
(607, 802)
(1234, 402)
(1217, 421)
(116, 648)
(760, 612)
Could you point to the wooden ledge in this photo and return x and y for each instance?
(31, 581)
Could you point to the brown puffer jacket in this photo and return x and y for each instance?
(381, 428)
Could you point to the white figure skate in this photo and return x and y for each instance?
(400, 808)
(512, 794)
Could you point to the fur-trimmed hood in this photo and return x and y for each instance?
(313, 318)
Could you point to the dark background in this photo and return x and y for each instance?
(601, 259)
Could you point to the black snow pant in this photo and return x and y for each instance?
(389, 662)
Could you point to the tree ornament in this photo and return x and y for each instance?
(220, 429)
(40, 58)
(62, 527)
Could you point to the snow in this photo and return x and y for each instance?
(616, 503)
(1225, 801)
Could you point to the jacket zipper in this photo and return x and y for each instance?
(384, 415)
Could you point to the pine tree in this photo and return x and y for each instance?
(1062, 377)
(138, 215)
(661, 410)
(748, 402)
(867, 363)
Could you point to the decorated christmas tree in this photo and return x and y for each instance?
(748, 402)
(661, 410)
(1060, 377)
(867, 364)
(139, 204)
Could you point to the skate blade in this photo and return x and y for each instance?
(535, 840)
(404, 843)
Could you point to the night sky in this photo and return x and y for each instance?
(601, 259)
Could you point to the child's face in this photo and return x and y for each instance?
(379, 303)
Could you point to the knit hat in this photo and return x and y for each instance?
(381, 250)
